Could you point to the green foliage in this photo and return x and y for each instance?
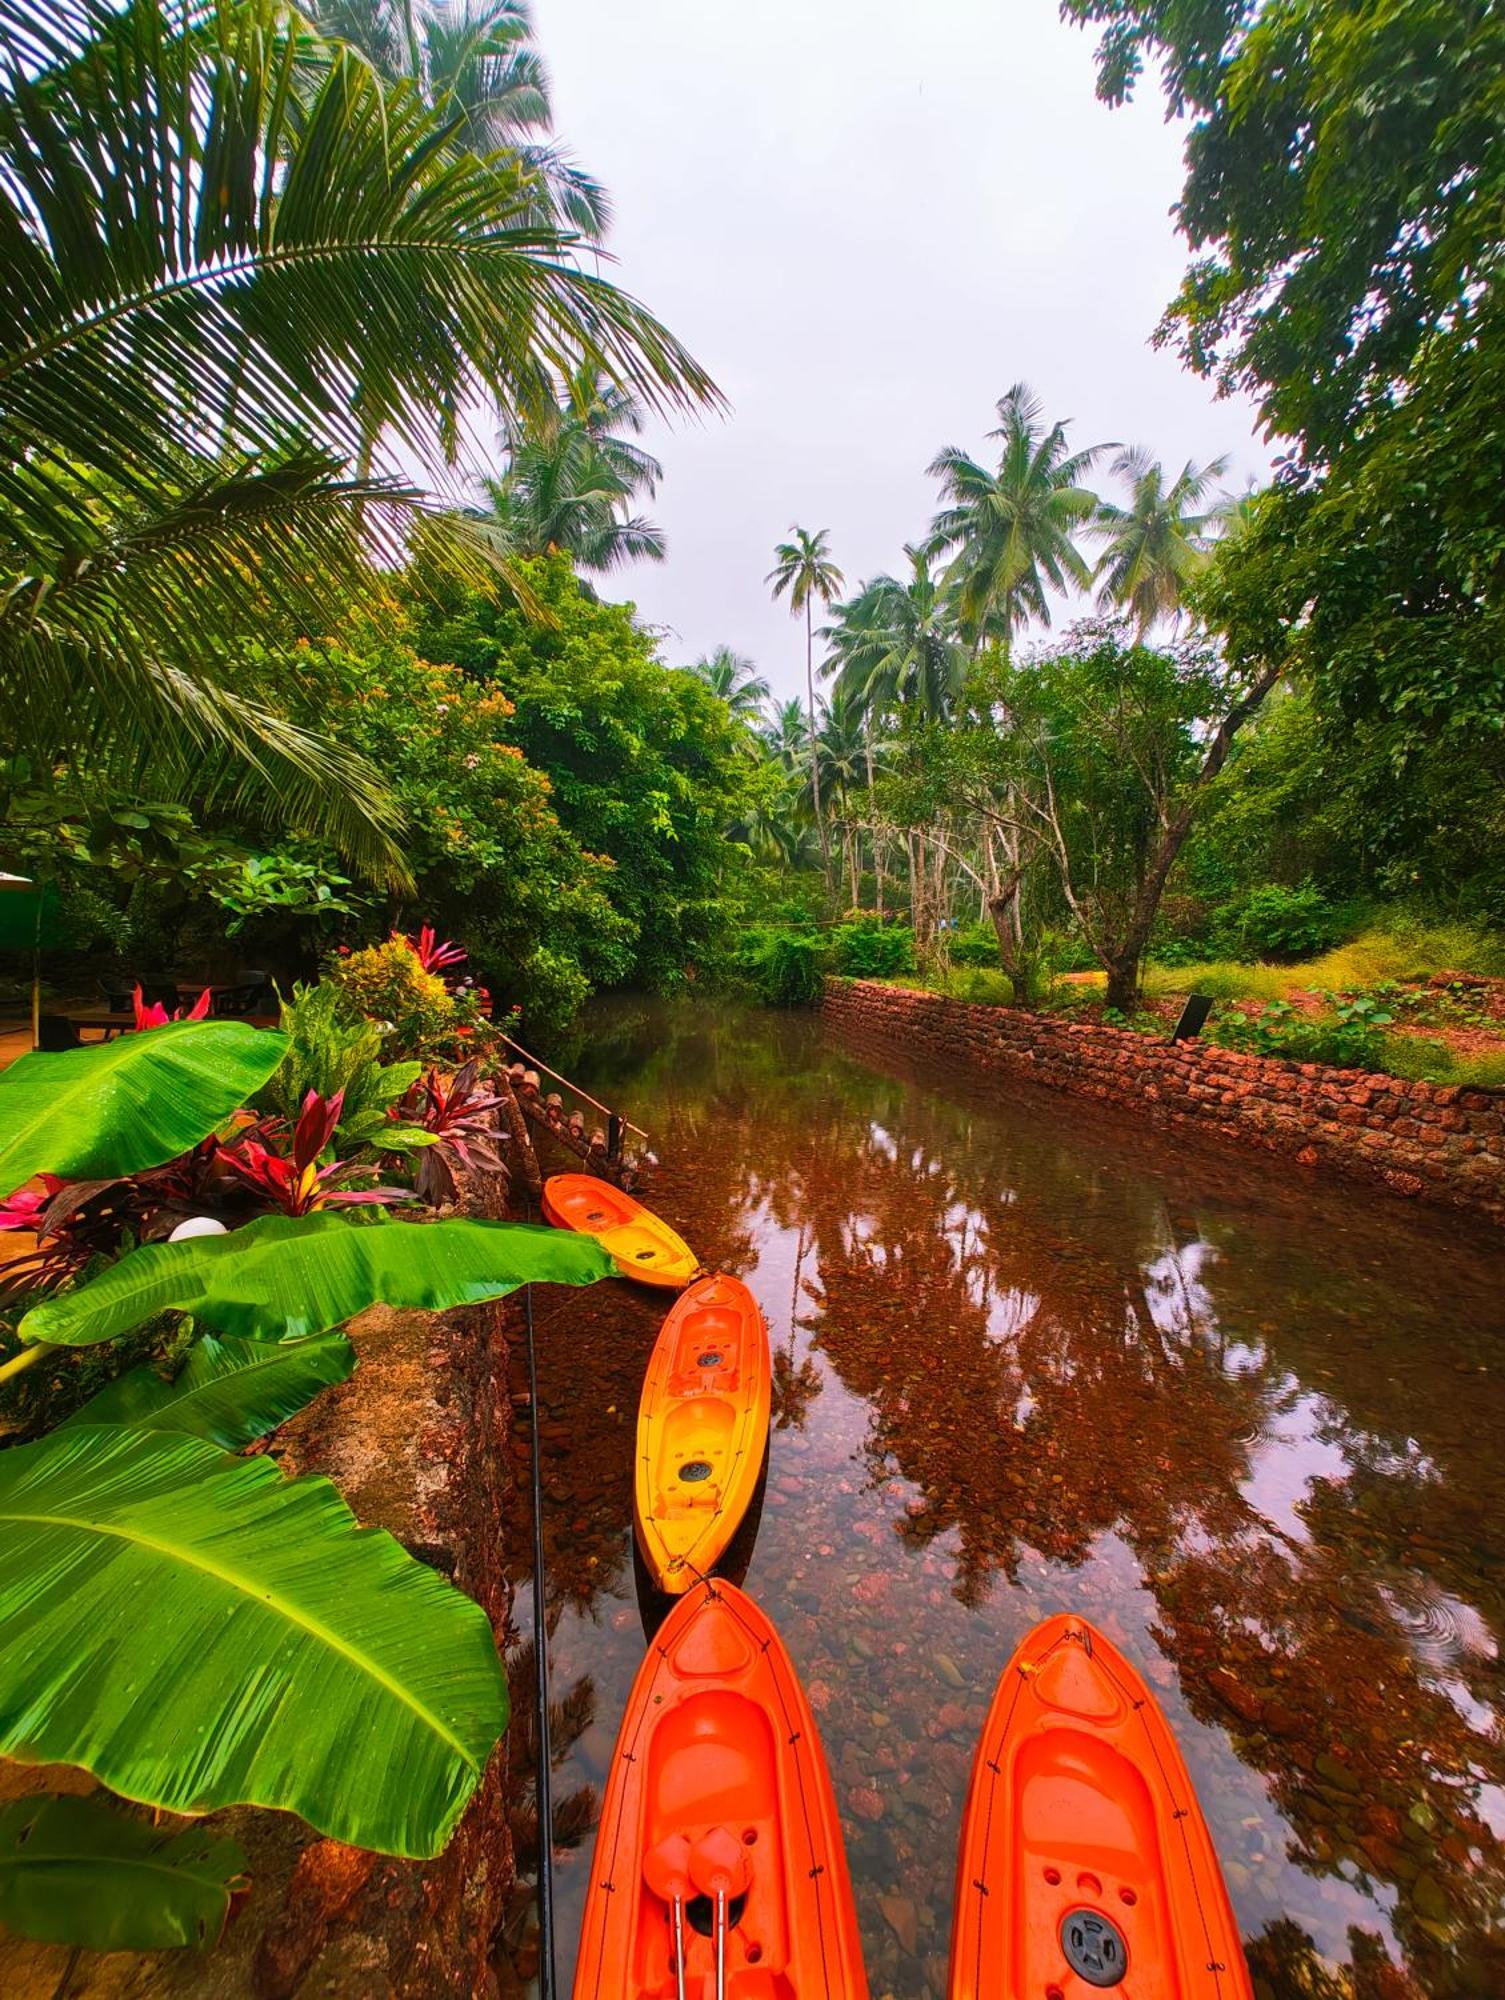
(784, 968)
(485, 837)
(282, 884)
(646, 768)
(73, 1871)
(174, 447)
(228, 1391)
(973, 944)
(1273, 922)
(385, 985)
(329, 1052)
(869, 950)
(283, 1278)
(116, 1107)
(387, 1696)
(1349, 1036)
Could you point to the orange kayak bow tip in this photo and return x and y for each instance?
(718, 1830)
(642, 1244)
(702, 1430)
(1086, 1866)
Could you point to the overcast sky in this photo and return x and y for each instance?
(867, 220)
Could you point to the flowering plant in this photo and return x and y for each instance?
(294, 1182)
(157, 1016)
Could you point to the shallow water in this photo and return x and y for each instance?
(1030, 1359)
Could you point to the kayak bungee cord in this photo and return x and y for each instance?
(543, 1788)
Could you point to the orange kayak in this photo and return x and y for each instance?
(719, 1828)
(643, 1245)
(702, 1428)
(1086, 1864)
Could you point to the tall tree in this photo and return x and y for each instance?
(1013, 533)
(477, 60)
(573, 471)
(803, 571)
(1342, 201)
(204, 216)
(1159, 542)
(896, 643)
(734, 679)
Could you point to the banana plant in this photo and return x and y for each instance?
(117, 1107)
(75, 1871)
(286, 1277)
(197, 1631)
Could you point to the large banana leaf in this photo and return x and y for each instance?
(281, 1278)
(116, 1107)
(198, 1632)
(228, 1391)
(72, 1871)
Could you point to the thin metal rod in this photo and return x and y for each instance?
(543, 1786)
(679, 1946)
(595, 1102)
(721, 1944)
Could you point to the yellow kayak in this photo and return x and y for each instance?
(702, 1429)
(643, 1246)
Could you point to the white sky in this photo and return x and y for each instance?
(867, 220)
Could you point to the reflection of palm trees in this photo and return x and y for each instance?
(1052, 1356)
(795, 1388)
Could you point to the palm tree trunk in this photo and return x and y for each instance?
(820, 823)
(872, 818)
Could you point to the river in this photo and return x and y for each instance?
(1030, 1358)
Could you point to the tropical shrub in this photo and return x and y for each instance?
(974, 944)
(149, 1577)
(1351, 1036)
(784, 968)
(332, 1054)
(1276, 922)
(867, 949)
(484, 838)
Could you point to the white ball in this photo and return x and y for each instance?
(197, 1225)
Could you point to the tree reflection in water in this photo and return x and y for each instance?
(1255, 1434)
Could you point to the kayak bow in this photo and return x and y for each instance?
(702, 1430)
(718, 1866)
(641, 1243)
(1086, 1864)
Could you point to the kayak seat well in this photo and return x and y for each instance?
(713, 1764)
(695, 1456)
(1087, 1833)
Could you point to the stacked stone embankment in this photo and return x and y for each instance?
(1431, 1142)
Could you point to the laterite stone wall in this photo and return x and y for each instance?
(1430, 1142)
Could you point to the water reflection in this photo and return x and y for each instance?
(1027, 1361)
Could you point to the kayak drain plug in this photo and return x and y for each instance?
(696, 1470)
(1094, 1947)
(708, 1360)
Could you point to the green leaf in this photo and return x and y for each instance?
(72, 1871)
(228, 1391)
(200, 1632)
(282, 1278)
(117, 1107)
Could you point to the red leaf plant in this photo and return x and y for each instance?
(431, 954)
(458, 1111)
(157, 1016)
(294, 1182)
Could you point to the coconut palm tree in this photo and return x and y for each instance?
(788, 737)
(1013, 533)
(206, 218)
(803, 570)
(1156, 545)
(896, 644)
(477, 59)
(573, 471)
(734, 680)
